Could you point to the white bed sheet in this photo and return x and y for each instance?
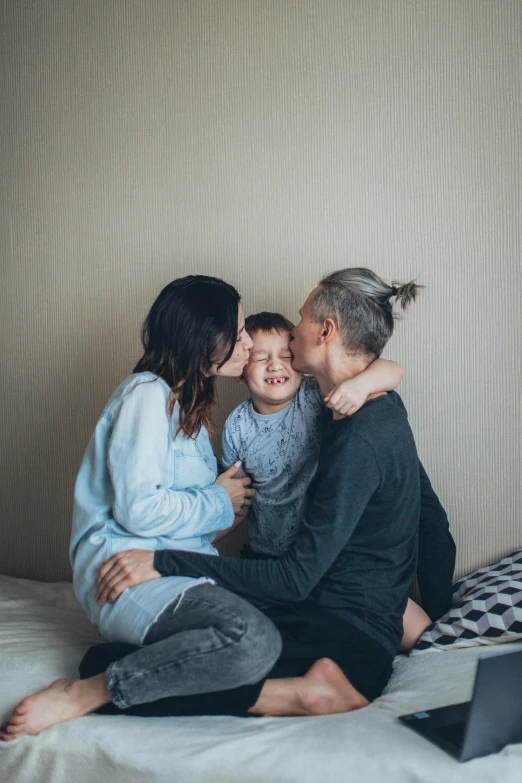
(44, 633)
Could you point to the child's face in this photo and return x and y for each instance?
(269, 374)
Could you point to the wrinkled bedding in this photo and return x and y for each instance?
(44, 633)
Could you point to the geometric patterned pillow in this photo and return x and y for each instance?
(487, 609)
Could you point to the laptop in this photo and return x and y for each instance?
(484, 725)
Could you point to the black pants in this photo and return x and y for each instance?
(308, 633)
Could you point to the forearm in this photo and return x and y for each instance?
(160, 512)
(342, 490)
(270, 581)
(382, 375)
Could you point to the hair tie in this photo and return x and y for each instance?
(394, 291)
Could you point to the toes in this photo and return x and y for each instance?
(7, 734)
(7, 737)
(21, 709)
(11, 730)
(16, 720)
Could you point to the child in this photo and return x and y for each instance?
(276, 435)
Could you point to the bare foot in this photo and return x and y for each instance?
(325, 690)
(61, 701)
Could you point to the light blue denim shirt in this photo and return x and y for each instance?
(142, 486)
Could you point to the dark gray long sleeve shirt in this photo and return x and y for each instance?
(355, 554)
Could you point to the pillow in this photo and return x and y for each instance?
(487, 609)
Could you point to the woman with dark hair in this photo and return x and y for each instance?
(149, 479)
(149, 474)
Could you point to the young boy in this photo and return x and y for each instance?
(277, 433)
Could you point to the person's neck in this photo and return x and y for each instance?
(268, 408)
(334, 373)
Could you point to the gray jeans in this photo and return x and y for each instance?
(208, 640)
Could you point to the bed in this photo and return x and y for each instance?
(44, 633)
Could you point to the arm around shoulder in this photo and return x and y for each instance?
(380, 376)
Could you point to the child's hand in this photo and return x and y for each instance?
(382, 375)
(347, 398)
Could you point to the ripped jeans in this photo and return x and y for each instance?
(208, 640)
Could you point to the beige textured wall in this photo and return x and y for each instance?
(265, 142)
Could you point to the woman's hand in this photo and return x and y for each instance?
(125, 569)
(237, 487)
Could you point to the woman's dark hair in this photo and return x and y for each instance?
(191, 325)
(267, 322)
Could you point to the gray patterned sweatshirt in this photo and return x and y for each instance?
(280, 452)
